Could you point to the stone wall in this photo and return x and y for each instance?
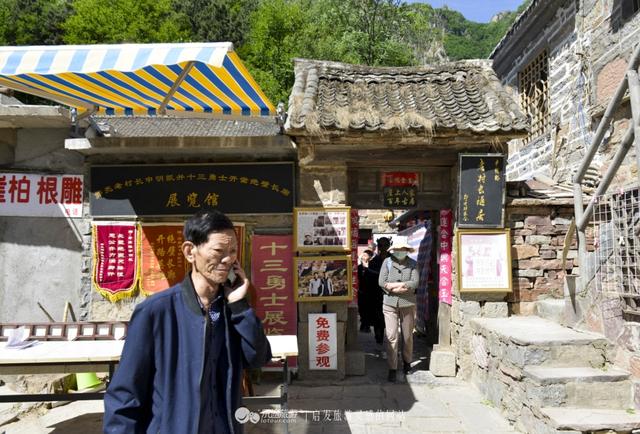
(588, 51)
(537, 239)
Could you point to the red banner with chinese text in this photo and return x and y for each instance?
(115, 259)
(444, 258)
(399, 179)
(162, 262)
(272, 275)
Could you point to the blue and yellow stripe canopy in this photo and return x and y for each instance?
(137, 78)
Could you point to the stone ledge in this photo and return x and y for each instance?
(532, 330)
(546, 375)
(591, 419)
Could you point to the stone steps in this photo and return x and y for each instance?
(579, 420)
(530, 340)
(578, 387)
(551, 309)
(547, 378)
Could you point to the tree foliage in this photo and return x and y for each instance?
(218, 20)
(32, 22)
(116, 21)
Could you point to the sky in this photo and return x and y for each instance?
(480, 11)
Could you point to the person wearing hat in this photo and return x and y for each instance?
(399, 281)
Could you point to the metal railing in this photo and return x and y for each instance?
(632, 137)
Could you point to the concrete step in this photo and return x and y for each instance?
(591, 419)
(530, 340)
(578, 387)
(551, 309)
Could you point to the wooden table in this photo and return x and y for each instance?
(66, 357)
(59, 357)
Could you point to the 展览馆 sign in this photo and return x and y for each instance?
(482, 191)
(171, 189)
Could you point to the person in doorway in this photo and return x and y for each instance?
(314, 285)
(399, 279)
(186, 347)
(374, 305)
(363, 294)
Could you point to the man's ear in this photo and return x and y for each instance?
(189, 251)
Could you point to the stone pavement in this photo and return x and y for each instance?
(421, 403)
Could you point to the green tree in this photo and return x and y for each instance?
(32, 22)
(116, 21)
(273, 40)
(218, 20)
(361, 31)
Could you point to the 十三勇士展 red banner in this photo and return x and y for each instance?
(115, 259)
(162, 262)
(272, 275)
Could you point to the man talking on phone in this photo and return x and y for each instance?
(186, 347)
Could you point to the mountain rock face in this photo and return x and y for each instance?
(499, 16)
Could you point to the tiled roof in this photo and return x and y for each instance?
(142, 126)
(466, 95)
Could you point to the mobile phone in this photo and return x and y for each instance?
(231, 277)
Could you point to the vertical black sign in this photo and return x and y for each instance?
(482, 190)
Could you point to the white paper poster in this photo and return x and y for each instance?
(323, 342)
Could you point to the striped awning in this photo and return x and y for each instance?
(137, 78)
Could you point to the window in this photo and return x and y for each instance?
(534, 94)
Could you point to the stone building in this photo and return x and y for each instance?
(566, 61)
(351, 124)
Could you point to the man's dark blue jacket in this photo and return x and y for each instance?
(156, 388)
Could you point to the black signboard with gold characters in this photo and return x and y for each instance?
(482, 191)
(183, 189)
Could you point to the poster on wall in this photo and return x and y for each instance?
(115, 259)
(322, 229)
(323, 342)
(482, 191)
(420, 238)
(323, 278)
(41, 195)
(484, 260)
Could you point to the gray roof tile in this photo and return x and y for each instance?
(466, 95)
(143, 126)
